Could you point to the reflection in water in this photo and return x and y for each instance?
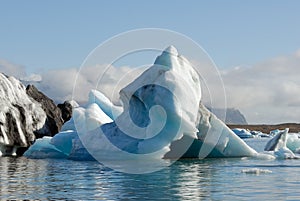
(182, 181)
(15, 174)
(217, 179)
(192, 188)
(23, 178)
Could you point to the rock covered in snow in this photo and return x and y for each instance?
(27, 114)
(20, 116)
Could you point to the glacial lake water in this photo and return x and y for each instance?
(208, 179)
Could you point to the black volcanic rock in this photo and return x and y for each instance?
(66, 109)
(54, 120)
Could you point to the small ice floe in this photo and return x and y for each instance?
(242, 133)
(283, 145)
(256, 171)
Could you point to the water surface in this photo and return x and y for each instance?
(209, 179)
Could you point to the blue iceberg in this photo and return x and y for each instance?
(161, 117)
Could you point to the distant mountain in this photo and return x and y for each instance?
(233, 115)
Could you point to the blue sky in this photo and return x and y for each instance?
(255, 44)
(60, 34)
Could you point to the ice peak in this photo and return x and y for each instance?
(171, 50)
(168, 57)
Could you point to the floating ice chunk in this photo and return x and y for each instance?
(162, 110)
(242, 133)
(278, 141)
(256, 171)
(285, 153)
(275, 132)
(165, 96)
(278, 146)
(42, 148)
(168, 92)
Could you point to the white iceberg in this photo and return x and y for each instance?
(162, 117)
(162, 110)
(279, 147)
(242, 133)
(256, 171)
(66, 144)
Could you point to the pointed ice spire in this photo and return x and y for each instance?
(171, 50)
(167, 58)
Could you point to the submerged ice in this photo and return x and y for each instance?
(161, 117)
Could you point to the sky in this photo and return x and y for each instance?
(255, 44)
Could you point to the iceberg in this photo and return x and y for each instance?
(156, 111)
(162, 117)
(242, 133)
(279, 146)
(66, 143)
(42, 148)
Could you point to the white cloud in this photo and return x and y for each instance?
(32, 78)
(72, 83)
(268, 92)
(11, 69)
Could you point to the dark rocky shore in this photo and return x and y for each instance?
(265, 128)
